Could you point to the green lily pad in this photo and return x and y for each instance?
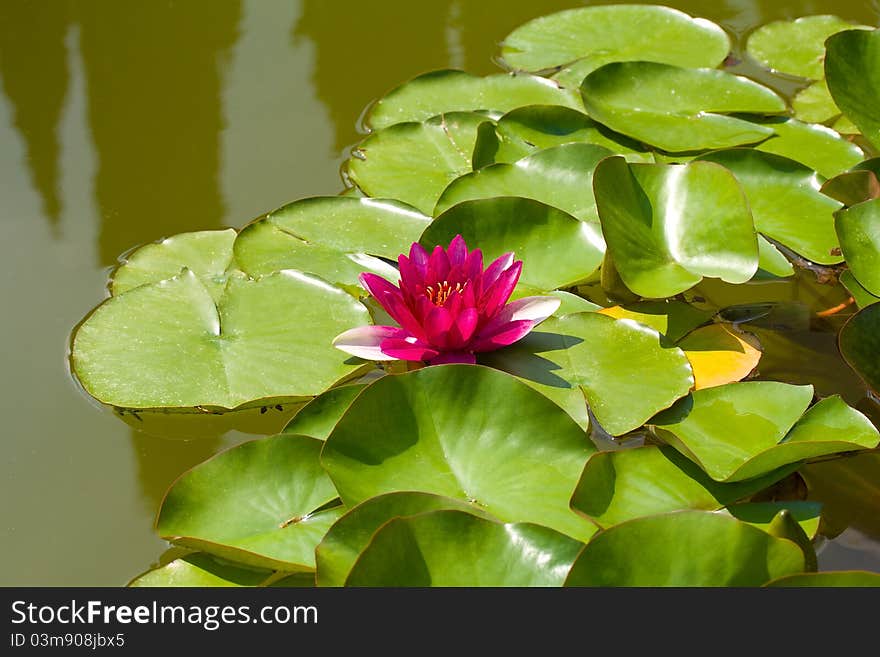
(795, 47)
(467, 432)
(854, 186)
(557, 250)
(771, 260)
(627, 32)
(860, 294)
(649, 552)
(622, 485)
(858, 228)
(673, 318)
(333, 237)
(852, 63)
(815, 104)
(449, 90)
(414, 162)
(202, 570)
(207, 253)
(317, 418)
(785, 201)
(743, 430)
(831, 578)
(257, 504)
(762, 514)
(625, 369)
(525, 130)
(168, 345)
(561, 176)
(352, 533)
(669, 225)
(678, 109)
(859, 341)
(817, 146)
(453, 548)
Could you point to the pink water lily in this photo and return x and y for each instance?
(448, 308)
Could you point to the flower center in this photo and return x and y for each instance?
(439, 292)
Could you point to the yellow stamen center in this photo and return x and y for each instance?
(439, 292)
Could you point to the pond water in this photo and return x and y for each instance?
(122, 123)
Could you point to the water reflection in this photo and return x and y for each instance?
(30, 33)
(153, 78)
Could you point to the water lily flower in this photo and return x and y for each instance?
(448, 308)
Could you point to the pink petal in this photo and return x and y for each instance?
(410, 276)
(494, 270)
(497, 295)
(391, 299)
(453, 357)
(365, 341)
(377, 286)
(437, 325)
(438, 266)
(457, 251)
(503, 336)
(514, 321)
(473, 266)
(536, 309)
(464, 326)
(419, 258)
(408, 349)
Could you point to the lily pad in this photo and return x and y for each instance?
(831, 578)
(720, 354)
(561, 176)
(352, 533)
(851, 69)
(626, 370)
(858, 228)
(414, 162)
(207, 253)
(678, 109)
(450, 90)
(333, 237)
(648, 552)
(626, 32)
(557, 250)
(859, 341)
(525, 130)
(796, 47)
(771, 260)
(785, 200)
(168, 345)
(271, 517)
(815, 104)
(453, 548)
(860, 294)
(669, 225)
(202, 570)
(466, 432)
(854, 186)
(673, 318)
(762, 514)
(317, 418)
(817, 146)
(622, 485)
(743, 430)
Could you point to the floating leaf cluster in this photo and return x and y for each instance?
(630, 176)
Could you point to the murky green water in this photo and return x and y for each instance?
(123, 122)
